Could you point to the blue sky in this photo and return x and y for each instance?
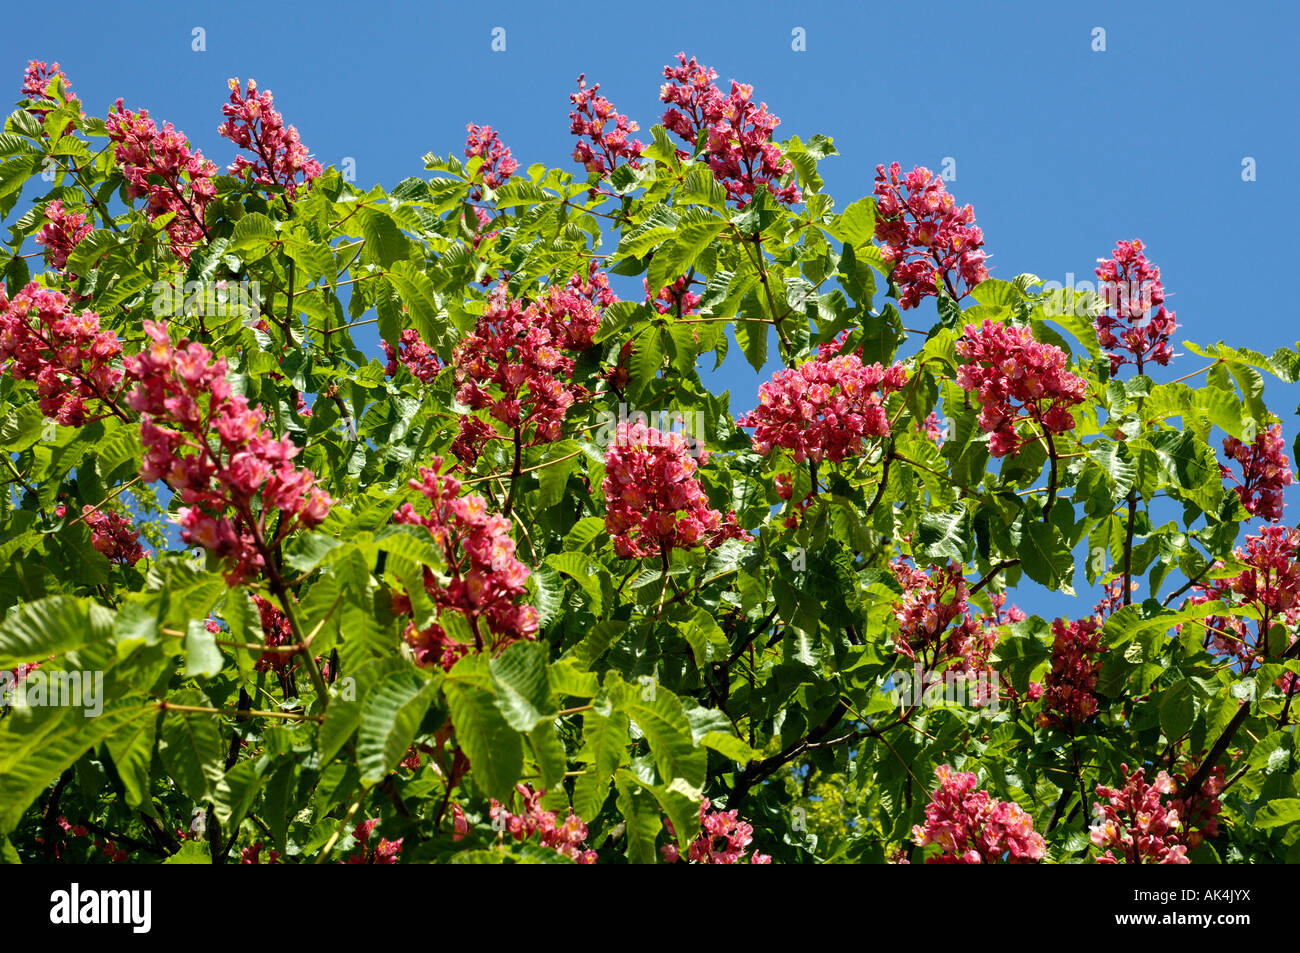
(1061, 149)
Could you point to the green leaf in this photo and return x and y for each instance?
(494, 748)
(945, 534)
(1278, 812)
(235, 792)
(641, 813)
(131, 748)
(857, 224)
(557, 463)
(189, 744)
(36, 631)
(675, 259)
(202, 657)
(521, 686)
(661, 718)
(39, 744)
(604, 748)
(583, 570)
(191, 852)
(1177, 710)
(1044, 556)
(390, 716)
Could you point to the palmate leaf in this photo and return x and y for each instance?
(492, 746)
(39, 744)
(659, 715)
(521, 687)
(640, 812)
(189, 744)
(1044, 556)
(390, 716)
(35, 631)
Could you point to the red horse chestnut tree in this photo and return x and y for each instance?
(355, 568)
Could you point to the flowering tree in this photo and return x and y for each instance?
(525, 590)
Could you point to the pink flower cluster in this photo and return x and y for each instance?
(927, 237)
(513, 363)
(572, 312)
(384, 852)
(824, 408)
(66, 354)
(591, 118)
(1112, 597)
(253, 123)
(675, 299)
(277, 632)
(1137, 823)
(1269, 585)
(113, 535)
(1130, 288)
(722, 839)
(216, 454)
(418, 358)
(934, 600)
(108, 849)
(1265, 472)
(931, 602)
(161, 167)
(485, 578)
(37, 80)
(564, 837)
(253, 855)
(970, 827)
(1070, 697)
(971, 645)
(1200, 811)
(61, 233)
(654, 503)
(739, 147)
(498, 165)
(933, 431)
(1007, 367)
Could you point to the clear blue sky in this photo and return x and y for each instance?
(1062, 150)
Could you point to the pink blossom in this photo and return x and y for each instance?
(824, 408)
(513, 364)
(1130, 288)
(1017, 378)
(484, 580)
(160, 166)
(383, 852)
(722, 839)
(36, 83)
(739, 146)
(66, 354)
(418, 358)
(1071, 684)
(930, 240)
(1265, 472)
(970, 827)
(61, 233)
(185, 400)
(252, 123)
(653, 501)
(498, 165)
(1137, 822)
(113, 535)
(594, 118)
(563, 836)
